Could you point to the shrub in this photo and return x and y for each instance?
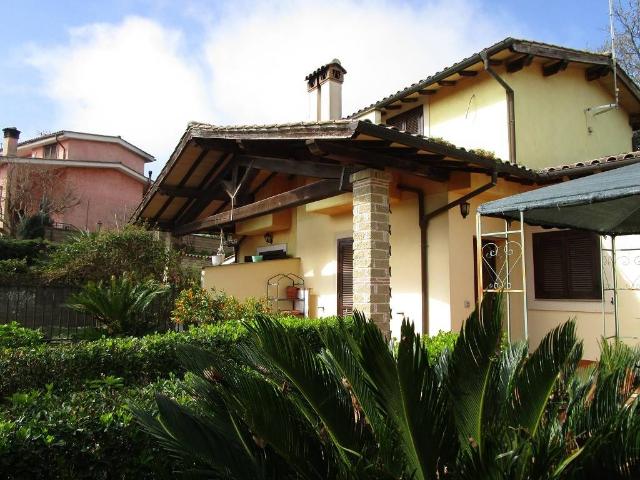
(437, 344)
(100, 255)
(197, 306)
(83, 435)
(13, 335)
(13, 266)
(31, 250)
(119, 305)
(136, 360)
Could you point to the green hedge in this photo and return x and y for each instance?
(91, 434)
(30, 250)
(12, 335)
(136, 360)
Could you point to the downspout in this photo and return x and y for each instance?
(64, 150)
(423, 222)
(424, 280)
(511, 111)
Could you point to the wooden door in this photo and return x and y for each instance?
(345, 276)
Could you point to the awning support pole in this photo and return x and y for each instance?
(602, 288)
(524, 279)
(615, 287)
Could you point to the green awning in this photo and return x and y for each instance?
(607, 203)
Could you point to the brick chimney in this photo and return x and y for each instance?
(325, 92)
(10, 143)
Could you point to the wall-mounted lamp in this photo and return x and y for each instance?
(268, 237)
(464, 209)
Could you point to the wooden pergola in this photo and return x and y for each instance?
(215, 174)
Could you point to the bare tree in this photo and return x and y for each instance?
(626, 23)
(33, 189)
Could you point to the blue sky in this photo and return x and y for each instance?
(143, 69)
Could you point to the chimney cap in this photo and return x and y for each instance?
(11, 132)
(322, 70)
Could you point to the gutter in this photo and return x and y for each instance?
(511, 112)
(423, 222)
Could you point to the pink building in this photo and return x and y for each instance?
(101, 176)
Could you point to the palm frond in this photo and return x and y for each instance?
(311, 377)
(539, 374)
(470, 372)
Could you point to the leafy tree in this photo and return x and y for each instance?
(118, 305)
(358, 410)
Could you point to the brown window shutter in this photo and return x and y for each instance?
(411, 121)
(566, 265)
(345, 276)
(583, 265)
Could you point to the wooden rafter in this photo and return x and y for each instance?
(596, 72)
(282, 201)
(427, 91)
(554, 67)
(409, 100)
(447, 83)
(467, 73)
(519, 63)
(315, 169)
(393, 107)
(372, 158)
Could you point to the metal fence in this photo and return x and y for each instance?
(45, 308)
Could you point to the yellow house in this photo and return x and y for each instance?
(375, 211)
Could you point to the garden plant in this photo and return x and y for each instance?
(353, 408)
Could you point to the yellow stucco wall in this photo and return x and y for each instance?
(244, 280)
(473, 114)
(551, 125)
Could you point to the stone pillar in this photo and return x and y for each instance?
(372, 247)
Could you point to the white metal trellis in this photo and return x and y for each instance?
(611, 256)
(513, 257)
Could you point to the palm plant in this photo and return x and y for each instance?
(120, 304)
(357, 408)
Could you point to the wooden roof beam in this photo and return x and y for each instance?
(555, 67)
(427, 91)
(467, 73)
(519, 63)
(447, 83)
(409, 100)
(393, 107)
(596, 72)
(282, 201)
(371, 158)
(289, 166)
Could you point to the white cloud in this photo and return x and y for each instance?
(131, 79)
(260, 52)
(137, 78)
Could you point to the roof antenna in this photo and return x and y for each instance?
(593, 111)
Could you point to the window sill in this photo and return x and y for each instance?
(569, 305)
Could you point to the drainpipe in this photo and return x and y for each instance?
(511, 112)
(423, 222)
(424, 280)
(64, 150)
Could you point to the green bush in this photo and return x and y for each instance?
(198, 306)
(13, 266)
(83, 435)
(100, 255)
(13, 335)
(438, 343)
(31, 250)
(136, 360)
